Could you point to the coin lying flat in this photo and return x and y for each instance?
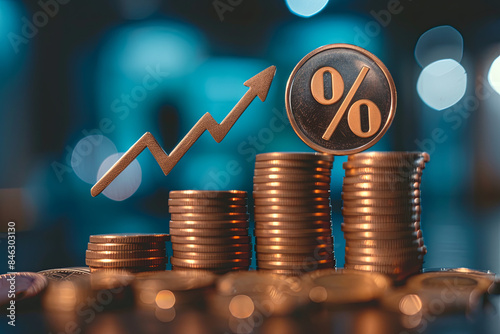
(377, 194)
(291, 186)
(204, 263)
(212, 248)
(208, 232)
(266, 209)
(207, 201)
(367, 227)
(212, 256)
(292, 171)
(398, 156)
(209, 224)
(326, 92)
(119, 263)
(301, 156)
(129, 238)
(202, 209)
(210, 216)
(65, 274)
(294, 241)
(211, 240)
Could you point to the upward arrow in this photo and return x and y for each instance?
(258, 86)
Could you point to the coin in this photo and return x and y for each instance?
(210, 224)
(404, 165)
(379, 194)
(406, 270)
(293, 216)
(229, 216)
(352, 227)
(125, 262)
(208, 209)
(293, 164)
(121, 270)
(391, 244)
(292, 171)
(125, 247)
(291, 194)
(20, 286)
(382, 202)
(65, 274)
(199, 263)
(293, 225)
(292, 178)
(200, 248)
(264, 209)
(125, 254)
(211, 240)
(382, 211)
(383, 235)
(212, 256)
(301, 156)
(305, 264)
(381, 178)
(293, 233)
(385, 252)
(294, 257)
(394, 186)
(343, 286)
(207, 194)
(401, 260)
(207, 201)
(315, 240)
(208, 232)
(292, 201)
(452, 282)
(379, 219)
(319, 117)
(291, 186)
(295, 249)
(129, 238)
(391, 155)
(395, 171)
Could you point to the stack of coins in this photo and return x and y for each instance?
(209, 230)
(292, 212)
(130, 252)
(381, 209)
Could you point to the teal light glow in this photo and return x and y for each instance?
(494, 75)
(306, 8)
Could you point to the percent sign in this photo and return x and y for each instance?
(354, 113)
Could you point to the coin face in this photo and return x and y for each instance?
(65, 274)
(340, 99)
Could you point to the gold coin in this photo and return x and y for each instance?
(199, 263)
(208, 216)
(382, 219)
(292, 216)
(381, 202)
(383, 235)
(294, 257)
(292, 201)
(396, 171)
(211, 240)
(377, 194)
(302, 265)
(122, 270)
(291, 209)
(292, 233)
(125, 247)
(453, 282)
(125, 254)
(208, 209)
(394, 186)
(301, 156)
(404, 211)
(400, 270)
(401, 260)
(208, 232)
(125, 238)
(289, 241)
(292, 171)
(381, 178)
(294, 164)
(291, 186)
(295, 249)
(408, 226)
(207, 194)
(152, 261)
(292, 178)
(381, 252)
(210, 224)
(229, 248)
(207, 201)
(309, 193)
(389, 244)
(391, 156)
(212, 256)
(293, 225)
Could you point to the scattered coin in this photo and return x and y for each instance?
(21, 286)
(65, 274)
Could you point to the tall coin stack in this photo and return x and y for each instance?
(130, 252)
(381, 209)
(292, 212)
(209, 230)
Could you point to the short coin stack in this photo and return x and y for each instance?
(131, 252)
(292, 212)
(209, 230)
(381, 209)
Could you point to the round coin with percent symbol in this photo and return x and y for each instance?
(340, 99)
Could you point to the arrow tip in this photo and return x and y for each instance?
(261, 82)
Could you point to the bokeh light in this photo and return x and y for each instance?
(306, 8)
(126, 183)
(443, 42)
(442, 84)
(241, 306)
(494, 75)
(88, 155)
(165, 299)
(410, 304)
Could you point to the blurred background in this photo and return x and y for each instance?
(83, 80)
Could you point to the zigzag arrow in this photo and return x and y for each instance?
(258, 86)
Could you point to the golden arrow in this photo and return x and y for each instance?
(258, 86)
